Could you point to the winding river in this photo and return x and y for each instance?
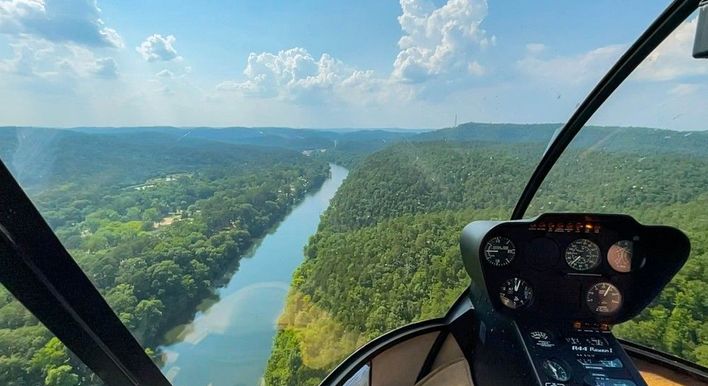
(228, 343)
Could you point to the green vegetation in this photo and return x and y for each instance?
(386, 252)
(159, 216)
(156, 223)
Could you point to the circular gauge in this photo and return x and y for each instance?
(582, 255)
(515, 293)
(620, 256)
(603, 299)
(499, 251)
(556, 370)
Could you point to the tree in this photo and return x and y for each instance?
(61, 376)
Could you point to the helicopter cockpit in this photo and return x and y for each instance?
(545, 292)
(193, 255)
(544, 295)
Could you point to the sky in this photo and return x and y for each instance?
(333, 64)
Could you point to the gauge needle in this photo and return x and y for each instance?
(606, 291)
(518, 282)
(553, 368)
(576, 259)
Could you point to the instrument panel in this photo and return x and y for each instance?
(601, 267)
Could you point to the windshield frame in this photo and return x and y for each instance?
(654, 35)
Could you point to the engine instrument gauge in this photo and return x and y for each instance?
(515, 293)
(603, 299)
(582, 255)
(556, 370)
(499, 251)
(620, 256)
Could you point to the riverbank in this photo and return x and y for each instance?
(230, 341)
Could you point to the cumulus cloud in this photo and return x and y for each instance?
(48, 61)
(436, 42)
(672, 59)
(59, 21)
(158, 48)
(296, 75)
(440, 41)
(81, 62)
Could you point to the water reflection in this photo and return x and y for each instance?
(229, 343)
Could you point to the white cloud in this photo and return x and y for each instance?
(158, 48)
(296, 75)
(683, 89)
(575, 69)
(436, 42)
(48, 61)
(81, 62)
(105, 68)
(58, 21)
(440, 41)
(165, 73)
(672, 59)
(535, 48)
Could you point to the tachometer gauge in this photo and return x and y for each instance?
(604, 299)
(620, 256)
(582, 255)
(556, 370)
(499, 251)
(515, 293)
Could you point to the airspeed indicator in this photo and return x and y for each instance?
(582, 255)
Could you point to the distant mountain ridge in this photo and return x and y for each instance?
(30, 151)
(608, 138)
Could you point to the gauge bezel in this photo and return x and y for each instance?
(566, 368)
(571, 261)
(526, 284)
(612, 262)
(592, 309)
(488, 258)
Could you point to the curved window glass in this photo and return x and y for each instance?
(645, 153)
(31, 355)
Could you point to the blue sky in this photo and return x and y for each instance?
(307, 63)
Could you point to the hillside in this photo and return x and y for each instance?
(387, 245)
(154, 220)
(605, 138)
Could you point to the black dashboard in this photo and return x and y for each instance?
(547, 291)
(580, 267)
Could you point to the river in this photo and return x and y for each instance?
(228, 343)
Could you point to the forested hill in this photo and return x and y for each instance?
(607, 138)
(386, 252)
(45, 157)
(156, 221)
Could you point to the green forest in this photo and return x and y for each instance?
(386, 252)
(159, 217)
(155, 227)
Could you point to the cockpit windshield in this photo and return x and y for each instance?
(657, 172)
(257, 189)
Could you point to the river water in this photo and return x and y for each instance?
(228, 343)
